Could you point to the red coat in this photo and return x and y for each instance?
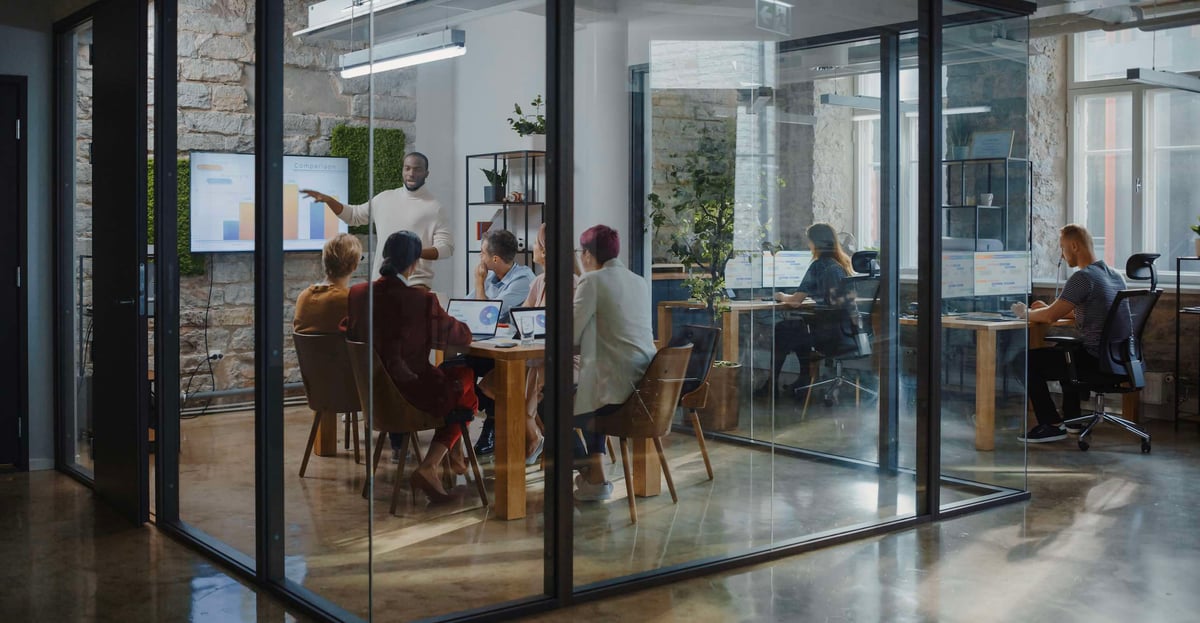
(408, 323)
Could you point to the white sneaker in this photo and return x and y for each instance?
(588, 492)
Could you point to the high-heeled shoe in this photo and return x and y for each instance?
(419, 480)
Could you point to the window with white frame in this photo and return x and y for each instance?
(1135, 149)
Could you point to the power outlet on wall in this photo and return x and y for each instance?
(216, 355)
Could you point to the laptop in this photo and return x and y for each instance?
(482, 317)
(536, 317)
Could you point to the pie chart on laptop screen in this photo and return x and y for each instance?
(489, 315)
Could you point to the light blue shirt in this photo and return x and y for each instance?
(511, 291)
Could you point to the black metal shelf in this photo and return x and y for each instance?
(530, 165)
(1180, 312)
(984, 178)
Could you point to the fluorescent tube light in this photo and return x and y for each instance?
(1167, 79)
(405, 53)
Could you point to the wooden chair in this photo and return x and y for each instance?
(328, 384)
(648, 412)
(390, 412)
(694, 393)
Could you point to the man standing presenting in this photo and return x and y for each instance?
(1086, 297)
(413, 208)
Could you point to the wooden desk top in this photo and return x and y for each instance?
(958, 322)
(490, 350)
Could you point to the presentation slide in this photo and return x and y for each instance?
(785, 269)
(222, 201)
(958, 275)
(1004, 272)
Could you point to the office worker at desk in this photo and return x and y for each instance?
(616, 345)
(823, 282)
(497, 277)
(1086, 297)
(411, 208)
(408, 323)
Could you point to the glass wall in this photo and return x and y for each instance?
(986, 218)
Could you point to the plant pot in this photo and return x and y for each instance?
(533, 142)
(1198, 247)
(958, 153)
(493, 194)
(721, 410)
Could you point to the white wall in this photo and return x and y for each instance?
(29, 53)
(434, 126)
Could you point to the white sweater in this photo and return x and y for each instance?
(398, 209)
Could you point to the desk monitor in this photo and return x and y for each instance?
(1003, 272)
(536, 316)
(482, 317)
(785, 269)
(744, 270)
(958, 275)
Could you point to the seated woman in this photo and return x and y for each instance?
(535, 376)
(823, 282)
(408, 322)
(616, 345)
(321, 307)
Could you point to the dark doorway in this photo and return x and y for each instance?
(14, 435)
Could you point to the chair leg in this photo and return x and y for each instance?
(625, 464)
(474, 461)
(399, 473)
(346, 434)
(416, 447)
(812, 381)
(612, 454)
(700, 441)
(354, 426)
(662, 459)
(312, 438)
(374, 466)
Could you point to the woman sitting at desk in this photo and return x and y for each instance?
(407, 324)
(823, 283)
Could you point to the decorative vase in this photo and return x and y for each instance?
(722, 408)
(493, 194)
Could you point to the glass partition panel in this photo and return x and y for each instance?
(987, 188)
(216, 69)
(742, 137)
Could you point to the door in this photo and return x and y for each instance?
(119, 338)
(13, 440)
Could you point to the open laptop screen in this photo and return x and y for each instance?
(481, 317)
(536, 317)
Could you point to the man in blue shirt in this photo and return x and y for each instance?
(1086, 298)
(498, 277)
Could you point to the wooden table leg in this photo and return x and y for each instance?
(647, 475)
(985, 390)
(1129, 405)
(664, 325)
(510, 439)
(326, 444)
(730, 324)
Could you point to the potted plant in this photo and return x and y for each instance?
(532, 125)
(1196, 230)
(697, 218)
(497, 181)
(958, 135)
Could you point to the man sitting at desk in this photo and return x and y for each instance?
(1086, 297)
(498, 278)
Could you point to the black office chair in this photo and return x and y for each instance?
(1122, 368)
(694, 394)
(854, 327)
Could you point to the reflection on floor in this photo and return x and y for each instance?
(432, 560)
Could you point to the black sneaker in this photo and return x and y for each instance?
(1073, 428)
(1043, 434)
(486, 444)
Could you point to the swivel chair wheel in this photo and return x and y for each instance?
(1145, 447)
(1083, 445)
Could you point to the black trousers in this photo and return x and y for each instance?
(792, 336)
(1050, 364)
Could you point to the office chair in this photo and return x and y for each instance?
(855, 323)
(694, 393)
(1122, 368)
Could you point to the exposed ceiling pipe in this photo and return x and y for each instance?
(1116, 18)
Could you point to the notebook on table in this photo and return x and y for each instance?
(481, 317)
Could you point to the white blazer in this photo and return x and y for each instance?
(613, 333)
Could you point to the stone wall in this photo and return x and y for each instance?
(834, 167)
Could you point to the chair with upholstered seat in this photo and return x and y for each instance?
(1122, 366)
(389, 412)
(648, 412)
(328, 384)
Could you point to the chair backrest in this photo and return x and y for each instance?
(865, 263)
(704, 352)
(650, 408)
(1140, 266)
(387, 408)
(1121, 339)
(325, 369)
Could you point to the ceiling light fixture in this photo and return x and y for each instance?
(1167, 79)
(405, 53)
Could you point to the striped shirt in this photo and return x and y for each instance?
(1092, 290)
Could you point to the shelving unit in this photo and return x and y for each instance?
(526, 168)
(967, 178)
(1180, 312)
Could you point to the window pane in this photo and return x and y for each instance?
(1103, 55)
(1105, 172)
(1174, 190)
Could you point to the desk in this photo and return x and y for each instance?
(730, 322)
